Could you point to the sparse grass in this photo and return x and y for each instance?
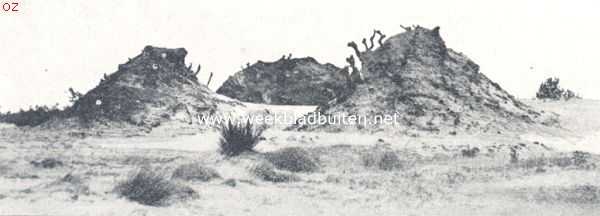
(48, 163)
(238, 138)
(579, 194)
(267, 172)
(581, 158)
(384, 160)
(195, 172)
(514, 155)
(576, 160)
(73, 184)
(470, 152)
(293, 159)
(152, 188)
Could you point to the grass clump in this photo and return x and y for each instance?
(577, 194)
(470, 152)
(194, 172)
(293, 159)
(383, 160)
(238, 138)
(267, 172)
(47, 163)
(152, 188)
(574, 160)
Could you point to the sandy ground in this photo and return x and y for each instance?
(435, 177)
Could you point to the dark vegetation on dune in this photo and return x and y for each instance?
(431, 88)
(414, 74)
(551, 90)
(31, 117)
(154, 87)
(287, 81)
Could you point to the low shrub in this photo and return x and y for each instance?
(384, 160)
(514, 155)
(576, 160)
(48, 163)
(550, 89)
(470, 152)
(577, 194)
(32, 117)
(267, 172)
(148, 187)
(194, 172)
(581, 158)
(238, 138)
(293, 159)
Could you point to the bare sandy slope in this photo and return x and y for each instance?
(435, 177)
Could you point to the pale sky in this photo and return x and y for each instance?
(49, 46)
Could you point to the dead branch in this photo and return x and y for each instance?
(381, 37)
(371, 39)
(355, 48)
(209, 79)
(197, 70)
(364, 42)
(406, 28)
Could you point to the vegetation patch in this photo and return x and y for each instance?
(238, 138)
(384, 160)
(293, 159)
(550, 89)
(31, 117)
(152, 188)
(470, 152)
(267, 172)
(575, 160)
(577, 194)
(48, 163)
(195, 172)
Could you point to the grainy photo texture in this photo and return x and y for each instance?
(299, 108)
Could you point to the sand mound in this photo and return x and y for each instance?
(428, 87)
(154, 87)
(287, 81)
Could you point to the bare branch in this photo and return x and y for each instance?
(371, 39)
(355, 48)
(198, 70)
(381, 37)
(364, 42)
(209, 79)
(406, 28)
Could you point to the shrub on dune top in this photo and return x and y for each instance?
(238, 138)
